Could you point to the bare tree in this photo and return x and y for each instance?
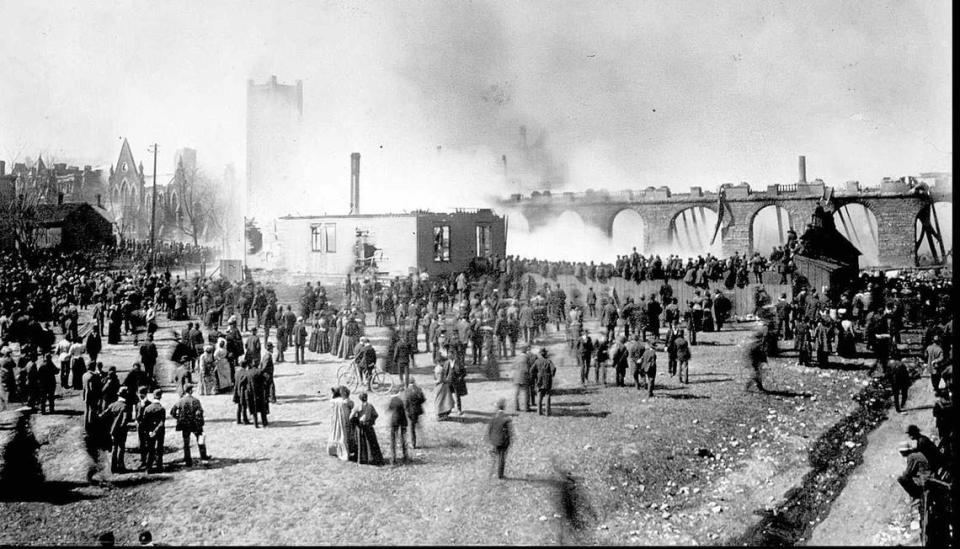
(199, 207)
(21, 221)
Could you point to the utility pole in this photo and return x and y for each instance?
(153, 214)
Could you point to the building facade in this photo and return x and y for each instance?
(45, 183)
(388, 244)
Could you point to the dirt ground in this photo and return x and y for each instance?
(695, 464)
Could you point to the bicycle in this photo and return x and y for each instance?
(349, 376)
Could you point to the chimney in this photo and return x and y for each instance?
(59, 199)
(803, 169)
(99, 205)
(354, 183)
(3, 168)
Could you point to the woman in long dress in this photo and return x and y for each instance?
(224, 381)
(314, 344)
(208, 369)
(337, 445)
(368, 448)
(443, 373)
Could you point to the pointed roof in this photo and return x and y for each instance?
(823, 241)
(40, 165)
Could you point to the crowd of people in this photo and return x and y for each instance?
(473, 319)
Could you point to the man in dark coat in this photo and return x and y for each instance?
(546, 371)
(189, 415)
(152, 422)
(398, 427)
(299, 334)
(244, 396)
(148, 356)
(620, 362)
(261, 392)
(93, 343)
(403, 357)
(252, 349)
(234, 347)
(266, 370)
(413, 405)
(584, 354)
(47, 374)
(92, 393)
(925, 446)
(917, 471)
(648, 366)
(115, 418)
(499, 435)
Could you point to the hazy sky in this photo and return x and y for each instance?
(631, 94)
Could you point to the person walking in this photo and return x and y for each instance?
(683, 357)
(520, 372)
(619, 360)
(648, 366)
(148, 356)
(413, 405)
(189, 415)
(398, 428)
(499, 436)
(546, 371)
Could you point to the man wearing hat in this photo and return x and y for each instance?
(152, 422)
(299, 333)
(499, 435)
(115, 417)
(189, 415)
(917, 471)
(546, 371)
(234, 347)
(925, 446)
(148, 355)
(266, 370)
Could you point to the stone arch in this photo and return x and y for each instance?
(628, 229)
(768, 228)
(690, 230)
(941, 219)
(858, 223)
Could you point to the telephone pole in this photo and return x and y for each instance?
(153, 214)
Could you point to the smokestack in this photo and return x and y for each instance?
(505, 172)
(59, 199)
(803, 169)
(3, 168)
(354, 183)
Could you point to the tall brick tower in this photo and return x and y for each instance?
(274, 114)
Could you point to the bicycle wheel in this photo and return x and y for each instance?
(380, 384)
(347, 376)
